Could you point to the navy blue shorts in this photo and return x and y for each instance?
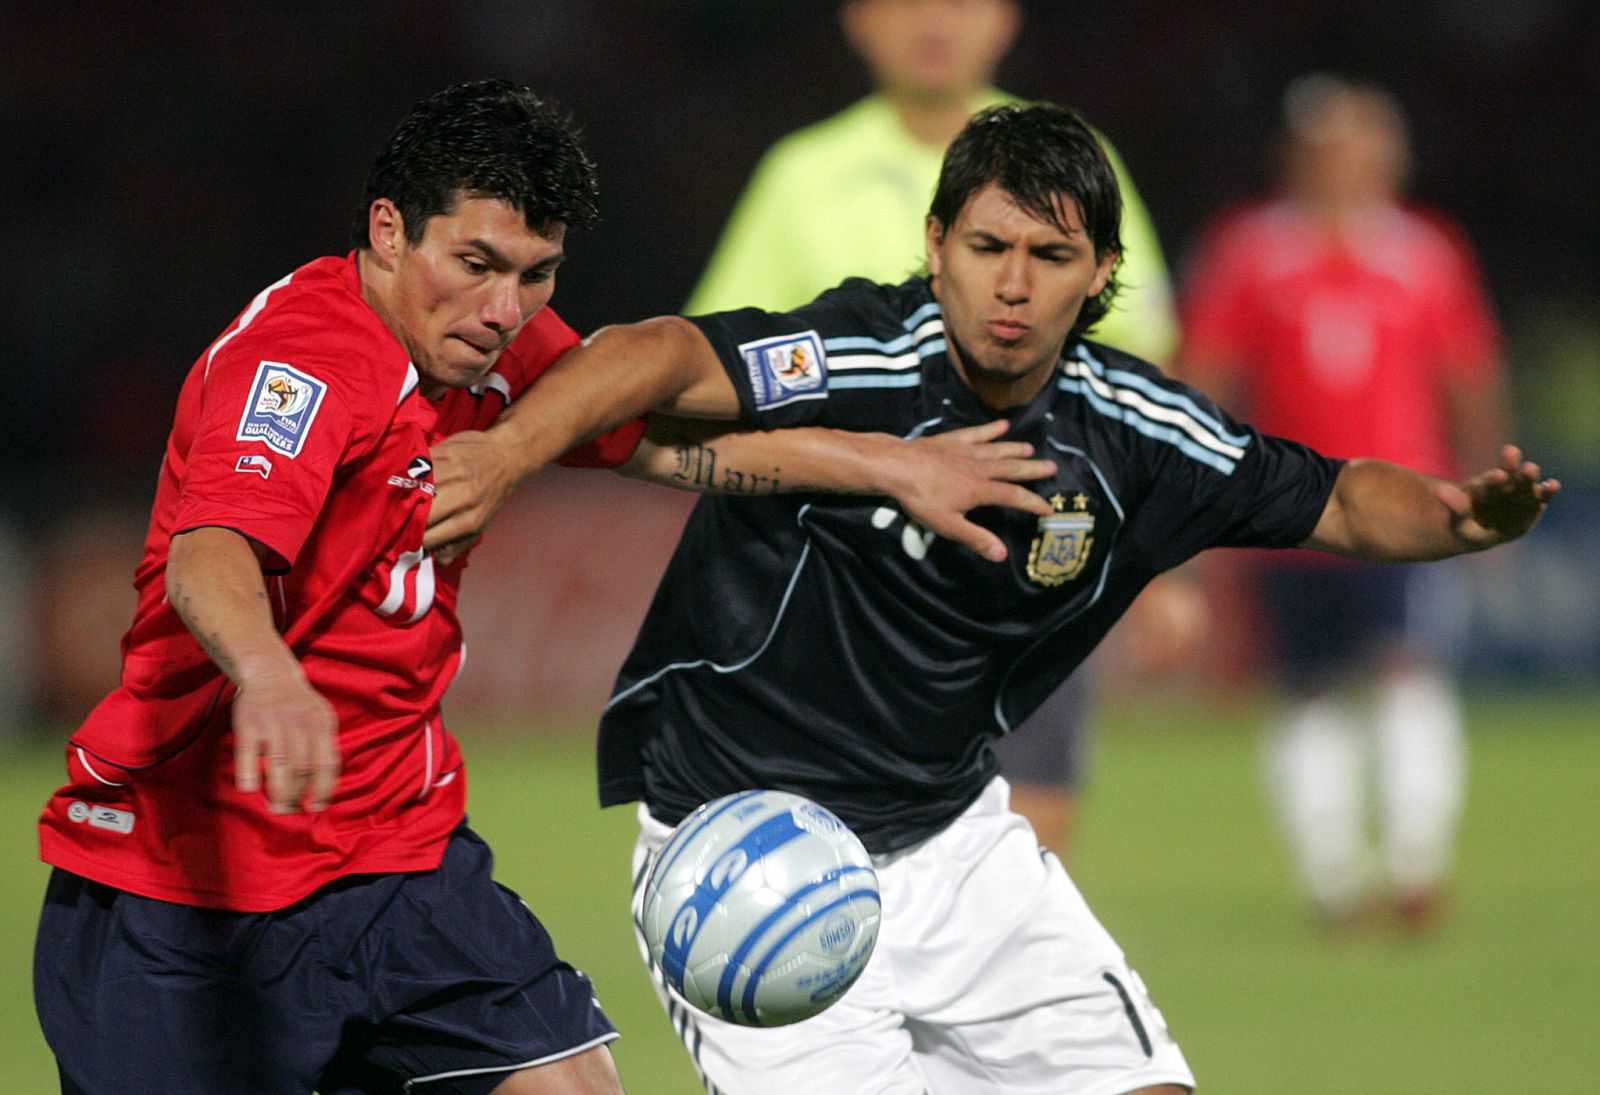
(1048, 747)
(439, 982)
(1330, 621)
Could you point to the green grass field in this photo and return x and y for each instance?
(1178, 858)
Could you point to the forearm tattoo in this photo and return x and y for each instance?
(697, 466)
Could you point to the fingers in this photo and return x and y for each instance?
(1024, 471)
(1456, 500)
(978, 538)
(295, 744)
(463, 528)
(246, 761)
(1014, 497)
(447, 553)
(987, 431)
(325, 766)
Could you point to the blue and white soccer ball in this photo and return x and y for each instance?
(761, 909)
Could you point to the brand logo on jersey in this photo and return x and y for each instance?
(282, 405)
(416, 472)
(256, 463)
(1061, 549)
(101, 817)
(786, 369)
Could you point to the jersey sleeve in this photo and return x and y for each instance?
(782, 364)
(270, 438)
(538, 346)
(1212, 481)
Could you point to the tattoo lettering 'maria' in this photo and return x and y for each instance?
(698, 466)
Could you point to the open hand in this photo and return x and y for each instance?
(1500, 504)
(938, 479)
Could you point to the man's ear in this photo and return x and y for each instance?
(386, 232)
(933, 240)
(1106, 263)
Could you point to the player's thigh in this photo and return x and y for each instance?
(140, 996)
(463, 989)
(858, 1045)
(1009, 982)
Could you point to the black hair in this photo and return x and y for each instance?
(1038, 153)
(486, 138)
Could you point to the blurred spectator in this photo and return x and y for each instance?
(1336, 315)
(848, 196)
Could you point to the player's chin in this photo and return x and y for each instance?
(468, 369)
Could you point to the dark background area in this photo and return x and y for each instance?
(163, 163)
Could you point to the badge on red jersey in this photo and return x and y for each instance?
(282, 405)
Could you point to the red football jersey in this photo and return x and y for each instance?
(300, 427)
(1347, 342)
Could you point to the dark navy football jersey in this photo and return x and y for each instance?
(828, 646)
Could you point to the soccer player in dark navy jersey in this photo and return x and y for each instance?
(833, 647)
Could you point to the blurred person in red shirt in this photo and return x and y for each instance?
(1339, 315)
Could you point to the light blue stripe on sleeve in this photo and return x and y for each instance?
(860, 342)
(1153, 430)
(1157, 394)
(840, 381)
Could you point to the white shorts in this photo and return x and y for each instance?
(990, 975)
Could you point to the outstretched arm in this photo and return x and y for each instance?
(936, 479)
(616, 374)
(1383, 511)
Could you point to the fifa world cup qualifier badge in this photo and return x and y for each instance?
(1060, 551)
(282, 404)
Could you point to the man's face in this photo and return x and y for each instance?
(457, 298)
(1353, 150)
(1011, 285)
(931, 48)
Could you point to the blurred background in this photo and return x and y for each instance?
(165, 162)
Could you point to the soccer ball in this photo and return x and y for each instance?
(761, 909)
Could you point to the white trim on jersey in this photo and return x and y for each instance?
(409, 385)
(707, 663)
(83, 759)
(247, 317)
(1151, 410)
(537, 1061)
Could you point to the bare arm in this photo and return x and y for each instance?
(936, 479)
(214, 582)
(1383, 511)
(615, 375)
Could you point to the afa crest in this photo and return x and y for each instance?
(1061, 549)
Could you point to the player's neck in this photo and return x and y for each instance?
(932, 119)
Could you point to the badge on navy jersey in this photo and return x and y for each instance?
(282, 405)
(1061, 549)
(786, 369)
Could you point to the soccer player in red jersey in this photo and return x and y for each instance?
(263, 880)
(1336, 315)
